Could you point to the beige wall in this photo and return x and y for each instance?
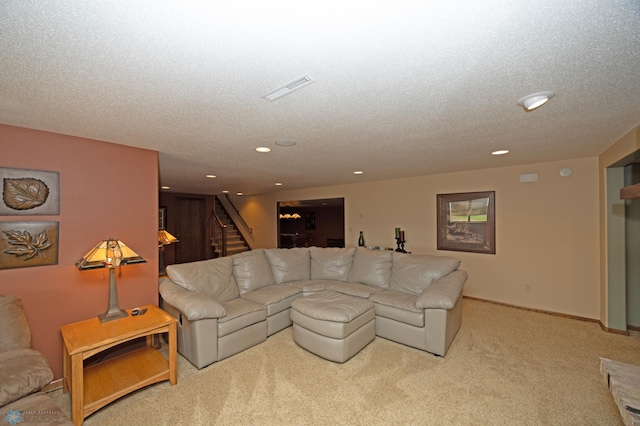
(546, 232)
(106, 190)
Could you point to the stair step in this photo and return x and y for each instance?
(235, 242)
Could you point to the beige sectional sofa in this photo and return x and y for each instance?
(230, 304)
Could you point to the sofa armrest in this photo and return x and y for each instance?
(443, 293)
(192, 304)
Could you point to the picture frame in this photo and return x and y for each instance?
(27, 192)
(27, 244)
(310, 220)
(466, 222)
(162, 217)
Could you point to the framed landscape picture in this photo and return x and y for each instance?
(162, 218)
(466, 222)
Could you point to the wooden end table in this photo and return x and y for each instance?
(97, 385)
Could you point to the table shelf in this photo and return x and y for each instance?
(109, 380)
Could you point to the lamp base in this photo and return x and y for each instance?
(113, 311)
(111, 315)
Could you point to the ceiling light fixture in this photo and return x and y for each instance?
(210, 176)
(278, 184)
(290, 216)
(536, 100)
(225, 192)
(165, 187)
(500, 152)
(358, 172)
(239, 194)
(285, 89)
(263, 149)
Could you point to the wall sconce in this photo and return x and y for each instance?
(110, 254)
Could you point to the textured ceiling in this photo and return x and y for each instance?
(402, 88)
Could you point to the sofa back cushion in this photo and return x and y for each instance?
(252, 271)
(14, 328)
(288, 265)
(412, 273)
(213, 277)
(331, 263)
(372, 267)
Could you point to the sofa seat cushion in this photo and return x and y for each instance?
(287, 265)
(372, 267)
(37, 409)
(276, 298)
(331, 263)
(353, 288)
(22, 372)
(413, 273)
(398, 306)
(212, 277)
(241, 313)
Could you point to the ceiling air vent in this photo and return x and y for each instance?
(294, 85)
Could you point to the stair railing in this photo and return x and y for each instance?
(240, 219)
(219, 238)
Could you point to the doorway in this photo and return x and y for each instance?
(306, 223)
(191, 230)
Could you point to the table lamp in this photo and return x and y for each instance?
(164, 238)
(110, 254)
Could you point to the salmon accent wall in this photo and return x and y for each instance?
(546, 232)
(106, 190)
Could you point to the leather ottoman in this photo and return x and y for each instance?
(333, 325)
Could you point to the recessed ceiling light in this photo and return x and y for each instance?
(278, 184)
(263, 149)
(165, 187)
(285, 143)
(210, 176)
(225, 192)
(239, 193)
(358, 172)
(536, 100)
(500, 152)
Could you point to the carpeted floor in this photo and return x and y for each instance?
(507, 366)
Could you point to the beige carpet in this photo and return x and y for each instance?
(506, 367)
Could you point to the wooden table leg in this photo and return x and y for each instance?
(66, 369)
(77, 391)
(173, 355)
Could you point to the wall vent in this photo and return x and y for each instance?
(291, 86)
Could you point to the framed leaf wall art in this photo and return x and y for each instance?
(29, 192)
(26, 244)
